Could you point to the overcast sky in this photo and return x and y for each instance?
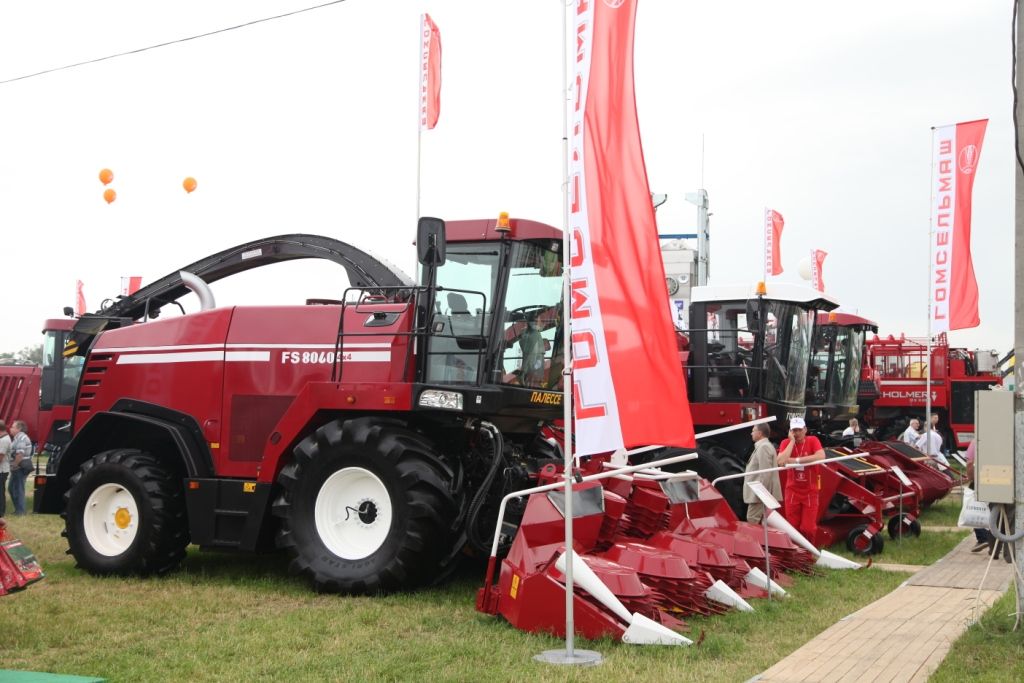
(819, 110)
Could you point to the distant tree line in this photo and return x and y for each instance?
(30, 355)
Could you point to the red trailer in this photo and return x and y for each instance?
(19, 395)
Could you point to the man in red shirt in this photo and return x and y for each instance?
(800, 505)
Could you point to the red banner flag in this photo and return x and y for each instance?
(79, 298)
(773, 225)
(130, 284)
(430, 72)
(628, 382)
(817, 261)
(954, 289)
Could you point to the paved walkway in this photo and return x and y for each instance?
(905, 635)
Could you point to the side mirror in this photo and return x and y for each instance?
(753, 313)
(69, 312)
(430, 241)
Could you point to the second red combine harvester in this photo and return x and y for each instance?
(900, 367)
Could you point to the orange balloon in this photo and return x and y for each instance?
(109, 195)
(189, 184)
(106, 175)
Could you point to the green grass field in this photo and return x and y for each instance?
(241, 617)
(989, 651)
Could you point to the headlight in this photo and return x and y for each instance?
(434, 398)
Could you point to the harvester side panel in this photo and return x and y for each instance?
(274, 353)
(176, 363)
(315, 402)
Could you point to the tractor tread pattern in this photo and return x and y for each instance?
(430, 502)
(167, 534)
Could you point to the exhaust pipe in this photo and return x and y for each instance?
(201, 289)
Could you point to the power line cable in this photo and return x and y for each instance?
(172, 42)
(1013, 85)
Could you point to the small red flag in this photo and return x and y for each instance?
(79, 298)
(430, 72)
(773, 225)
(817, 261)
(130, 284)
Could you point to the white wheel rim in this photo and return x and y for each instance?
(353, 513)
(111, 519)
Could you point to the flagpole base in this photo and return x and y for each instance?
(578, 657)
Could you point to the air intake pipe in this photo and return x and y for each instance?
(201, 289)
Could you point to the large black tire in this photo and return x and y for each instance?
(716, 461)
(125, 514)
(366, 507)
(712, 462)
(858, 544)
(899, 530)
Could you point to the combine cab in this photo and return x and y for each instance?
(58, 388)
(746, 356)
(43, 396)
(901, 365)
(370, 436)
(835, 380)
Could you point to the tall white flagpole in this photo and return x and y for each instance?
(570, 625)
(928, 359)
(570, 655)
(764, 245)
(419, 115)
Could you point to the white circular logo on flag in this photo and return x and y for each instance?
(968, 159)
(614, 4)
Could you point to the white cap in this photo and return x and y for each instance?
(797, 423)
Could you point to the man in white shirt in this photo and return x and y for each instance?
(930, 443)
(853, 429)
(912, 433)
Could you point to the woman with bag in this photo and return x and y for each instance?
(982, 535)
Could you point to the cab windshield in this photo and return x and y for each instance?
(834, 374)
(60, 375)
(463, 310)
(847, 353)
(470, 285)
(531, 333)
(787, 347)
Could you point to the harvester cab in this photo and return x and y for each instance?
(493, 320)
(57, 389)
(746, 355)
(42, 395)
(835, 372)
(371, 436)
(749, 351)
